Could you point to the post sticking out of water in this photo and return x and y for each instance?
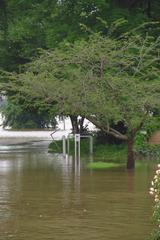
(91, 145)
(77, 143)
(79, 149)
(64, 145)
(68, 145)
(64, 124)
(77, 146)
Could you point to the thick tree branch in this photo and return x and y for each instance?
(107, 129)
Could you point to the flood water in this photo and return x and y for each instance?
(44, 196)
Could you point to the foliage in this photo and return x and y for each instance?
(102, 152)
(142, 138)
(104, 138)
(26, 26)
(28, 115)
(149, 150)
(114, 81)
(140, 141)
(121, 68)
(155, 192)
(110, 153)
(117, 65)
(152, 125)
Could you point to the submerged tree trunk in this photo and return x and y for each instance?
(130, 158)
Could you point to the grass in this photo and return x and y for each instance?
(103, 165)
(99, 165)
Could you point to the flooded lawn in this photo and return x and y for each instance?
(44, 196)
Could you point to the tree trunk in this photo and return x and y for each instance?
(130, 158)
(148, 10)
(74, 122)
(81, 127)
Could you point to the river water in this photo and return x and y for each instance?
(45, 196)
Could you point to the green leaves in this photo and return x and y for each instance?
(102, 77)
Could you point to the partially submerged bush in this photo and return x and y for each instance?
(141, 141)
(155, 192)
(150, 150)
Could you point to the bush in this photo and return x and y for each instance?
(155, 192)
(141, 140)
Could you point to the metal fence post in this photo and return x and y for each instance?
(91, 145)
(64, 145)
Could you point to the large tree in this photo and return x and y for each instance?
(103, 79)
(28, 25)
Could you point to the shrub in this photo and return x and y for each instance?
(155, 192)
(141, 141)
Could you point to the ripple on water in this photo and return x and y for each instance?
(45, 196)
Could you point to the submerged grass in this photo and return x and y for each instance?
(103, 165)
(99, 165)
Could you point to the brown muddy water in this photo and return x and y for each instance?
(44, 196)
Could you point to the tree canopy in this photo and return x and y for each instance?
(26, 26)
(90, 58)
(104, 79)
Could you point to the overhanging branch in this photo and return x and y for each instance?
(107, 129)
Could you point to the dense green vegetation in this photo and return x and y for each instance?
(105, 156)
(98, 59)
(113, 81)
(30, 114)
(102, 152)
(142, 145)
(26, 26)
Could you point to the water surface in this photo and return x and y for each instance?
(45, 196)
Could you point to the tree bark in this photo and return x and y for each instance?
(81, 127)
(130, 158)
(148, 10)
(74, 122)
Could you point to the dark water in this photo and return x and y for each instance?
(43, 196)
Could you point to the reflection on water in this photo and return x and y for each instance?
(45, 196)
